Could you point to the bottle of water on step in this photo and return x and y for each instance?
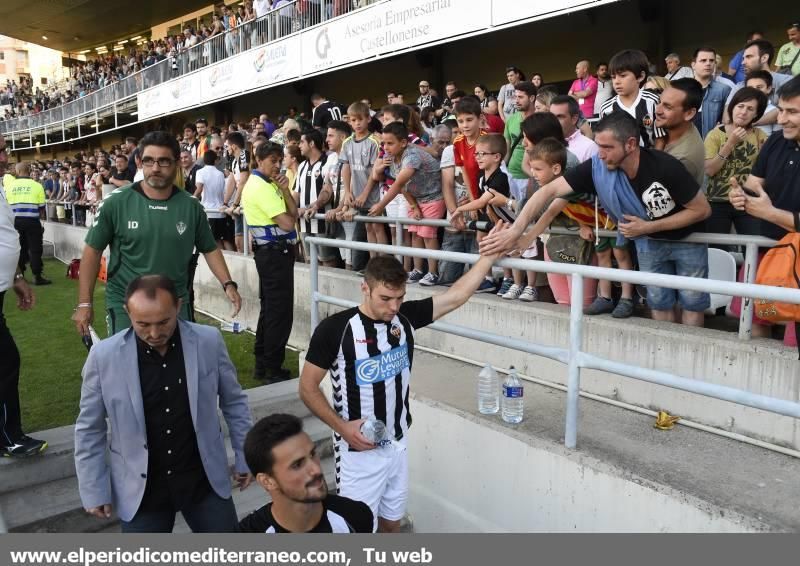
(488, 391)
(511, 402)
(233, 326)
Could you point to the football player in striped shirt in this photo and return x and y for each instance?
(285, 462)
(369, 351)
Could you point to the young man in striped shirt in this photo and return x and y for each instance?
(285, 462)
(369, 351)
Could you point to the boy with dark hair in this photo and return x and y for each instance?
(285, 462)
(468, 115)
(629, 70)
(416, 174)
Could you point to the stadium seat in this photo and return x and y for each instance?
(721, 266)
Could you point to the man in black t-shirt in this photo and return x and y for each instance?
(665, 205)
(325, 112)
(122, 175)
(369, 351)
(774, 182)
(285, 463)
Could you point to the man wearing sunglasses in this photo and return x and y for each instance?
(151, 228)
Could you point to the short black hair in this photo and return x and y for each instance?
(150, 285)
(190, 126)
(385, 269)
(398, 111)
(527, 87)
(693, 91)
(541, 125)
(574, 108)
(210, 157)
(601, 64)
(235, 138)
(764, 48)
(293, 135)
(396, 129)
(458, 94)
(469, 105)
(790, 90)
(131, 139)
(765, 76)
(340, 126)
(314, 137)
(264, 436)
(632, 60)
(621, 124)
(201, 121)
(160, 139)
(745, 94)
(700, 49)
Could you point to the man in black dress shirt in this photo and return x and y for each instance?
(159, 384)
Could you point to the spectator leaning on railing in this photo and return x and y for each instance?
(772, 190)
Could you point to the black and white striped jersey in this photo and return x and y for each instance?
(643, 110)
(341, 515)
(370, 362)
(309, 185)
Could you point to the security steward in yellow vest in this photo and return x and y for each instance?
(26, 197)
(271, 214)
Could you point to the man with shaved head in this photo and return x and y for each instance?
(584, 89)
(26, 198)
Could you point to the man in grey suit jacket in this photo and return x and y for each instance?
(159, 384)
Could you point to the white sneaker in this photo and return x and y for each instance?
(529, 295)
(513, 293)
(429, 280)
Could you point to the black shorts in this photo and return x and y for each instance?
(222, 228)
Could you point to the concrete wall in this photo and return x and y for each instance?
(482, 487)
(761, 366)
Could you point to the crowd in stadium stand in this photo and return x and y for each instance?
(469, 153)
(86, 77)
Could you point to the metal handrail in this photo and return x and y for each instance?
(750, 243)
(575, 358)
(270, 27)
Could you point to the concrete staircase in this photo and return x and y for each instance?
(40, 494)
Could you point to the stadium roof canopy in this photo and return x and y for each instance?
(75, 25)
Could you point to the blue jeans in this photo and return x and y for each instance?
(211, 515)
(675, 258)
(464, 242)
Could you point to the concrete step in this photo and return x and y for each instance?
(55, 463)
(53, 472)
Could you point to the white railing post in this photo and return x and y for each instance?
(314, 275)
(574, 368)
(246, 236)
(746, 315)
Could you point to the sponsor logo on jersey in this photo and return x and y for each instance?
(181, 226)
(383, 366)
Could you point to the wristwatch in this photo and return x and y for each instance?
(18, 276)
(230, 283)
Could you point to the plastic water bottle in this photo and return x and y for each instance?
(234, 326)
(511, 404)
(374, 430)
(488, 391)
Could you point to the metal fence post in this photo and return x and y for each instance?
(746, 316)
(398, 234)
(246, 238)
(574, 368)
(314, 274)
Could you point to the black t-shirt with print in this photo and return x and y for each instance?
(662, 182)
